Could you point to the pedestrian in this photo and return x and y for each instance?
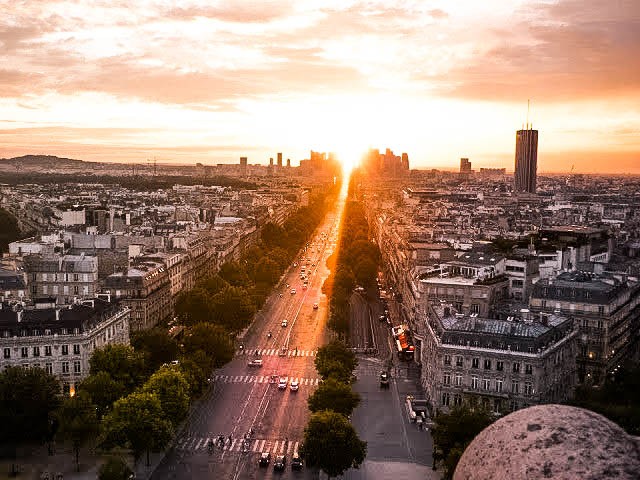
(229, 439)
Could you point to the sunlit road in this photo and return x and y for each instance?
(243, 397)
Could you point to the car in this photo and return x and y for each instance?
(256, 362)
(265, 458)
(280, 462)
(293, 291)
(284, 323)
(313, 264)
(282, 383)
(315, 306)
(384, 379)
(296, 462)
(304, 286)
(382, 318)
(294, 385)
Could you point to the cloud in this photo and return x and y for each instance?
(567, 55)
(438, 13)
(236, 12)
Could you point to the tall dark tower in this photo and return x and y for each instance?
(526, 169)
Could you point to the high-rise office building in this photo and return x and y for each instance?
(465, 165)
(526, 169)
(279, 160)
(243, 166)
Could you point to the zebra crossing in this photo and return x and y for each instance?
(262, 379)
(276, 351)
(277, 447)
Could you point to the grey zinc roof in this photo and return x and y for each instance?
(497, 327)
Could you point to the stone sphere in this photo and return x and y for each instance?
(551, 441)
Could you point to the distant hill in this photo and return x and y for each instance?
(44, 161)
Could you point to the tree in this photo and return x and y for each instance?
(331, 443)
(334, 395)
(103, 391)
(273, 235)
(115, 469)
(453, 431)
(78, 422)
(266, 271)
(172, 389)
(232, 308)
(336, 360)
(28, 399)
(195, 368)
(137, 421)
(9, 229)
(213, 284)
(212, 340)
(121, 362)
(157, 347)
(194, 306)
(234, 274)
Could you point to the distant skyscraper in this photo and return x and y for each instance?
(288, 163)
(465, 165)
(526, 169)
(243, 166)
(279, 160)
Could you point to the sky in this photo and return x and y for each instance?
(210, 81)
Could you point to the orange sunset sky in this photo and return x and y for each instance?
(209, 81)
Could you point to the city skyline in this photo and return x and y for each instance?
(191, 83)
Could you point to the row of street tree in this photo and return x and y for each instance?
(330, 441)
(355, 262)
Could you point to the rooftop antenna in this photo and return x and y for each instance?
(528, 100)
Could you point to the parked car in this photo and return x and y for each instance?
(384, 379)
(256, 362)
(294, 385)
(282, 383)
(284, 323)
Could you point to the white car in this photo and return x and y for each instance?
(282, 383)
(294, 385)
(284, 323)
(315, 306)
(293, 291)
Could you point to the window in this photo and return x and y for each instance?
(497, 405)
(47, 331)
(475, 382)
(65, 349)
(65, 368)
(600, 324)
(459, 361)
(585, 323)
(48, 367)
(447, 359)
(528, 368)
(76, 367)
(517, 283)
(47, 350)
(528, 388)
(447, 379)
(544, 303)
(76, 349)
(75, 277)
(487, 364)
(7, 353)
(36, 332)
(513, 405)
(475, 362)
(601, 309)
(63, 331)
(515, 386)
(36, 351)
(76, 331)
(499, 365)
(486, 384)
(499, 385)
(516, 367)
(457, 400)
(24, 352)
(76, 290)
(445, 399)
(475, 308)
(457, 380)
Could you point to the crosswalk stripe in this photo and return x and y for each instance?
(316, 381)
(261, 379)
(275, 447)
(198, 445)
(255, 446)
(295, 448)
(233, 443)
(262, 446)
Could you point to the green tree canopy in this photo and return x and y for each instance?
(115, 468)
(9, 230)
(196, 368)
(233, 308)
(334, 395)
(157, 347)
(103, 391)
(273, 235)
(78, 422)
(212, 340)
(336, 360)
(266, 271)
(122, 362)
(331, 443)
(194, 306)
(213, 284)
(234, 274)
(172, 389)
(453, 431)
(137, 421)
(28, 399)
